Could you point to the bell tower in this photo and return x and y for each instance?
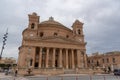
(78, 31)
(33, 21)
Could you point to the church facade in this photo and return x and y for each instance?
(50, 47)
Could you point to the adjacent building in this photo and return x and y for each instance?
(7, 62)
(51, 47)
(107, 61)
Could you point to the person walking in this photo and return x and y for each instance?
(16, 72)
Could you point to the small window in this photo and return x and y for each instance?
(98, 63)
(88, 61)
(31, 62)
(92, 61)
(113, 60)
(32, 26)
(103, 60)
(79, 31)
(107, 60)
(55, 34)
(67, 36)
(41, 34)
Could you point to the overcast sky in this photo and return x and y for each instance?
(101, 20)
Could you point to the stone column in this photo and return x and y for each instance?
(66, 59)
(33, 55)
(47, 57)
(60, 58)
(53, 59)
(73, 60)
(85, 60)
(40, 58)
(78, 58)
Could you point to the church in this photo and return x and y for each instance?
(49, 47)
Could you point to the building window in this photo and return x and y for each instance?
(88, 61)
(103, 60)
(97, 63)
(67, 36)
(79, 31)
(107, 60)
(41, 34)
(55, 34)
(31, 62)
(92, 61)
(32, 26)
(36, 64)
(113, 60)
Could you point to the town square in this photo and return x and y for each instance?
(60, 40)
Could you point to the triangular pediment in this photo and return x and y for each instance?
(59, 39)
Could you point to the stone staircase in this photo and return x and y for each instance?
(69, 71)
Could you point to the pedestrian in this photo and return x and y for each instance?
(16, 71)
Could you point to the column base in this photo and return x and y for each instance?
(66, 66)
(78, 67)
(60, 66)
(53, 66)
(73, 67)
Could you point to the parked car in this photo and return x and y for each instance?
(6, 72)
(116, 71)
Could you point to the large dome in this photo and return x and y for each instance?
(52, 21)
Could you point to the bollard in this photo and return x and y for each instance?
(104, 77)
(76, 78)
(62, 78)
(47, 78)
(90, 77)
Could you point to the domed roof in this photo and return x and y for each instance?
(35, 14)
(51, 21)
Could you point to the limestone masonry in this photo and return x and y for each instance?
(50, 47)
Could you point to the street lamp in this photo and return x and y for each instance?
(4, 40)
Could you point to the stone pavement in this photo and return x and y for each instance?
(2, 75)
(62, 76)
(10, 77)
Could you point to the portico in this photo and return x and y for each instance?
(46, 57)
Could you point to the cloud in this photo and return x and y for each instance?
(100, 17)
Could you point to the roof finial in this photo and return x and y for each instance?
(51, 18)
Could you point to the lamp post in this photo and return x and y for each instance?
(4, 40)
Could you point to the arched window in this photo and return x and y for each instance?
(67, 36)
(55, 34)
(31, 62)
(79, 31)
(41, 34)
(32, 26)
